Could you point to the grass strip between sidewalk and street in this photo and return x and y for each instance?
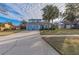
(4, 33)
(64, 45)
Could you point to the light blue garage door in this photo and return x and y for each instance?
(33, 27)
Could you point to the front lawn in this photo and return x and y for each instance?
(64, 45)
(60, 32)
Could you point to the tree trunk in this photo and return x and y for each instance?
(48, 24)
(52, 24)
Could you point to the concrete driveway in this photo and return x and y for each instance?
(25, 43)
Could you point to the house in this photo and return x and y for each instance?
(2, 28)
(16, 27)
(68, 25)
(6, 26)
(23, 26)
(37, 24)
(61, 25)
(9, 23)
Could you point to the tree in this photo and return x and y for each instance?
(71, 12)
(23, 25)
(23, 22)
(50, 12)
(1, 25)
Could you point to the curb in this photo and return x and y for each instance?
(53, 47)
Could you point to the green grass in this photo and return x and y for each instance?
(65, 45)
(4, 33)
(60, 32)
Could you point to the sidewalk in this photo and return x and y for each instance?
(59, 35)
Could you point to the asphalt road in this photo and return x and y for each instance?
(25, 43)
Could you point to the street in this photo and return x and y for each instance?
(25, 43)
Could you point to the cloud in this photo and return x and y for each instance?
(7, 8)
(25, 11)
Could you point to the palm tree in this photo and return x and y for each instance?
(50, 12)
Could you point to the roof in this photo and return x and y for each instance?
(68, 22)
(36, 20)
(40, 23)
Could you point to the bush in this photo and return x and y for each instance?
(54, 28)
(6, 29)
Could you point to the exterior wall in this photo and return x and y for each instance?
(2, 28)
(36, 27)
(68, 26)
(60, 26)
(33, 27)
(36, 24)
(76, 26)
(7, 25)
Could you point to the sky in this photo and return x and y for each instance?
(25, 11)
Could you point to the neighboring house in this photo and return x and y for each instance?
(8, 21)
(68, 25)
(61, 25)
(6, 26)
(17, 27)
(23, 26)
(58, 23)
(2, 28)
(37, 24)
(9, 26)
(65, 25)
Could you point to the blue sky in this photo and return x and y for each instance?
(24, 11)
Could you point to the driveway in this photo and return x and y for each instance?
(25, 43)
